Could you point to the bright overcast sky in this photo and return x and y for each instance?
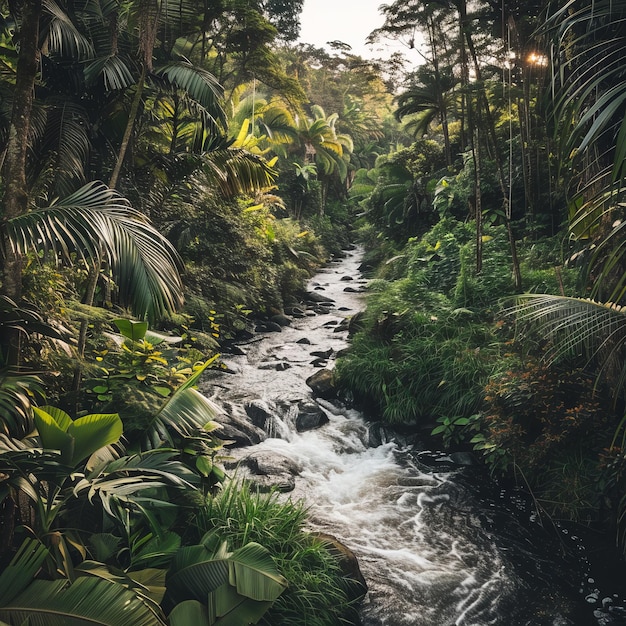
(350, 21)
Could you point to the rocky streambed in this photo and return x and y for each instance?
(437, 541)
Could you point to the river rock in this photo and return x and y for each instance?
(295, 311)
(230, 347)
(463, 458)
(310, 416)
(268, 470)
(379, 433)
(259, 412)
(280, 319)
(270, 327)
(346, 278)
(243, 335)
(322, 354)
(356, 323)
(347, 561)
(304, 340)
(322, 384)
(311, 296)
(239, 431)
(342, 326)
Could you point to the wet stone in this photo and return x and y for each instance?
(259, 413)
(268, 327)
(310, 416)
(343, 326)
(268, 470)
(312, 296)
(304, 340)
(281, 320)
(241, 432)
(294, 311)
(346, 278)
(322, 354)
(322, 384)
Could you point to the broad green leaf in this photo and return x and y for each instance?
(54, 436)
(189, 613)
(132, 329)
(228, 608)
(93, 432)
(88, 600)
(255, 575)
(19, 573)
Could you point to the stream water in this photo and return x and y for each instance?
(438, 542)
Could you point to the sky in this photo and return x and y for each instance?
(350, 21)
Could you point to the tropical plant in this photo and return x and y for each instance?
(590, 91)
(306, 561)
(97, 224)
(208, 585)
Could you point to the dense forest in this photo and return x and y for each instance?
(172, 173)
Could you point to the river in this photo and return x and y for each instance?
(439, 543)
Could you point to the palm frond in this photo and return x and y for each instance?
(576, 327)
(113, 70)
(94, 219)
(64, 38)
(235, 171)
(200, 84)
(88, 600)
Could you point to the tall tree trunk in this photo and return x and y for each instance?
(148, 12)
(491, 135)
(128, 131)
(15, 199)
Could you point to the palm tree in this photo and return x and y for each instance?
(590, 96)
(323, 145)
(590, 90)
(431, 99)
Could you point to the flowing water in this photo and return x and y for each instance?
(438, 542)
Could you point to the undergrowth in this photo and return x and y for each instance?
(318, 594)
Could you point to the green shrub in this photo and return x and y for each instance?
(318, 593)
(412, 367)
(549, 425)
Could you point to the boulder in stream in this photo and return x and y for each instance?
(310, 416)
(322, 384)
(343, 326)
(356, 323)
(259, 412)
(280, 319)
(311, 296)
(238, 430)
(348, 563)
(268, 470)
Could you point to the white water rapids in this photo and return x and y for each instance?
(433, 551)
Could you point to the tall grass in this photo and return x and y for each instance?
(319, 594)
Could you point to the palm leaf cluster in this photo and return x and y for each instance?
(589, 87)
(94, 221)
(579, 329)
